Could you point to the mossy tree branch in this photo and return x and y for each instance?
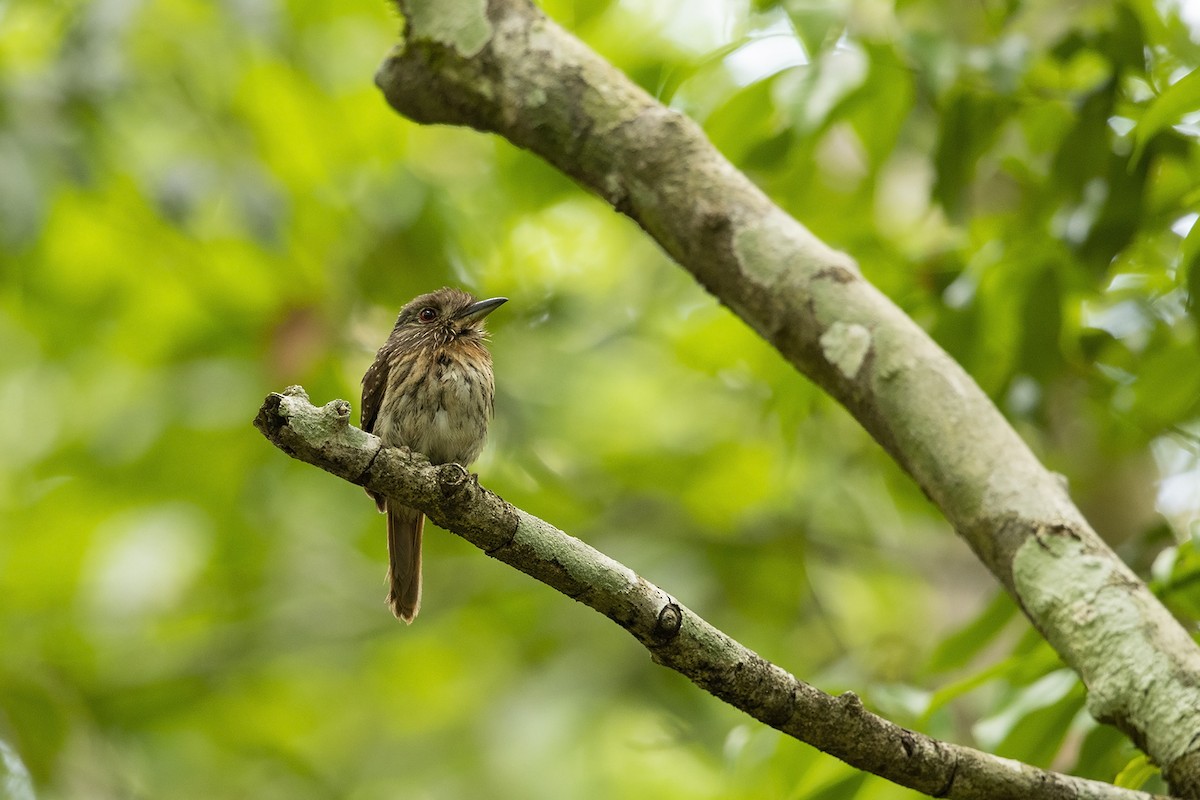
(675, 636)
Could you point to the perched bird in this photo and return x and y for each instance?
(430, 389)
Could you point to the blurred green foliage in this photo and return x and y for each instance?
(204, 202)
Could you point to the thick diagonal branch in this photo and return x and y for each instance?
(675, 636)
(500, 65)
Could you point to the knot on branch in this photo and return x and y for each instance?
(340, 409)
(850, 701)
(270, 419)
(276, 413)
(669, 622)
(454, 479)
(297, 391)
(321, 436)
(836, 273)
(1043, 533)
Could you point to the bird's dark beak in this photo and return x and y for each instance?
(477, 311)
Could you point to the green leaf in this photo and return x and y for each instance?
(1191, 271)
(1084, 152)
(745, 120)
(1180, 589)
(1180, 98)
(969, 125)
(1034, 723)
(1102, 753)
(1168, 386)
(818, 23)
(1136, 773)
(959, 648)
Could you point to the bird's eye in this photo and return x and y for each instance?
(427, 315)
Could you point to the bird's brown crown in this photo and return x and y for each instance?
(440, 306)
(442, 317)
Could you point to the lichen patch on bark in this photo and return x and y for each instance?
(846, 346)
(461, 24)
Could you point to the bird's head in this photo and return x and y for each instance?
(445, 315)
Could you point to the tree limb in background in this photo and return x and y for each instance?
(502, 66)
(675, 636)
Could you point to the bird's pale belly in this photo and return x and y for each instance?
(445, 419)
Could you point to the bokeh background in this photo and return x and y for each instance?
(202, 202)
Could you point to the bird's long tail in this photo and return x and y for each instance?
(404, 560)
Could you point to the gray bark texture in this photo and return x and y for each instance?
(675, 636)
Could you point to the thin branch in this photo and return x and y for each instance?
(675, 636)
(502, 66)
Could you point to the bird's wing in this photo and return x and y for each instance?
(374, 386)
